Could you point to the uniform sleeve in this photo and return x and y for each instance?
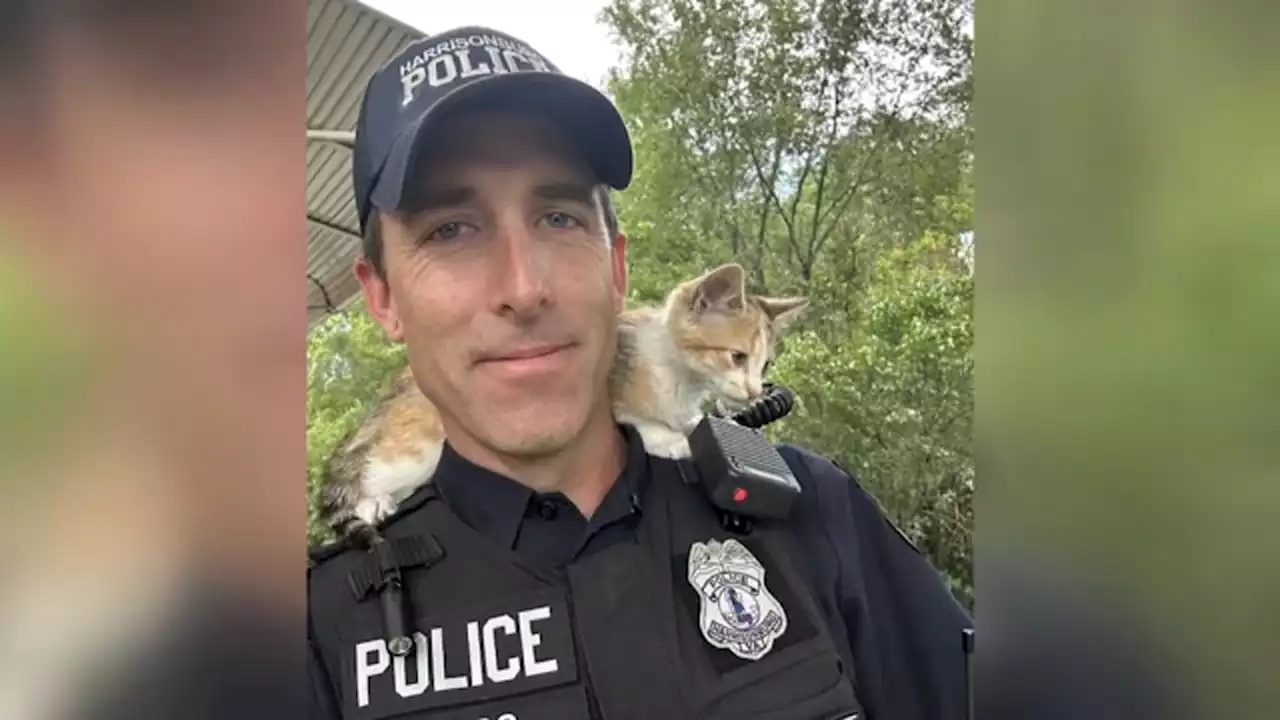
(905, 628)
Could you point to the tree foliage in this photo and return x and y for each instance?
(348, 361)
(825, 145)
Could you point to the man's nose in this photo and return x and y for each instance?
(523, 288)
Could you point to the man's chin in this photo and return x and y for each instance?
(535, 443)
(540, 446)
(534, 432)
(530, 423)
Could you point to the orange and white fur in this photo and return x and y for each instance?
(710, 342)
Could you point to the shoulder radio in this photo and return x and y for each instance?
(739, 469)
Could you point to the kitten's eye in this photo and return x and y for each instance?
(739, 358)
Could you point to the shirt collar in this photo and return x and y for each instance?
(495, 505)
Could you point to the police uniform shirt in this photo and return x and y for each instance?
(545, 528)
(891, 617)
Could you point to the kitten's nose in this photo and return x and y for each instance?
(754, 388)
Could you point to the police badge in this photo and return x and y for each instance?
(739, 614)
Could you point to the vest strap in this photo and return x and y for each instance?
(385, 560)
(379, 574)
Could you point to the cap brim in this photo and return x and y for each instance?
(588, 117)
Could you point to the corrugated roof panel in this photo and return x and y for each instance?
(346, 42)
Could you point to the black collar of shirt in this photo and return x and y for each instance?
(496, 505)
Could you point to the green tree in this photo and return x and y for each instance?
(769, 129)
(825, 145)
(349, 360)
(892, 402)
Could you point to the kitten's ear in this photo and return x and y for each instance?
(782, 311)
(721, 289)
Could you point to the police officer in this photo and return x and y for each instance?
(553, 570)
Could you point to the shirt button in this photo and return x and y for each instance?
(547, 509)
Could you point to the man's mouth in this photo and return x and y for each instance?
(528, 360)
(525, 352)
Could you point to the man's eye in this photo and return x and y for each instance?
(561, 220)
(447, 231)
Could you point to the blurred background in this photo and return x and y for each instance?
(152, 393)
(1128, 360)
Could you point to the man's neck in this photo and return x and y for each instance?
(583, 471)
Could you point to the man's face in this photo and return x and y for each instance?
(505, 286)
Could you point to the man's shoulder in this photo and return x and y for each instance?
(821, 478)
(837, 499)
(341, 552)
(329, 556)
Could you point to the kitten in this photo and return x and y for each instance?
(710, 342)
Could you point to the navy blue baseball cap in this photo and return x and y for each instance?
(469, 68)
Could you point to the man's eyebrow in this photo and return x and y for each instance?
(428, 200)
(573, 191)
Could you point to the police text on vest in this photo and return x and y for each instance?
(501, 649)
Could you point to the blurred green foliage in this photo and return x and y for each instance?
(1130, 347)
(828, 148)
(46, 368)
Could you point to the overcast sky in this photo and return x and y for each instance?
(567, 35)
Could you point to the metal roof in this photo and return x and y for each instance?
(346, 42)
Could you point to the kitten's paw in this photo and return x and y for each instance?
(666, 444)
(372, 510)
(676, 449)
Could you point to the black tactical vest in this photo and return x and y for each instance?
(690, 621)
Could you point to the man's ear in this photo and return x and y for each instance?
(621, 278)
(378, 300)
